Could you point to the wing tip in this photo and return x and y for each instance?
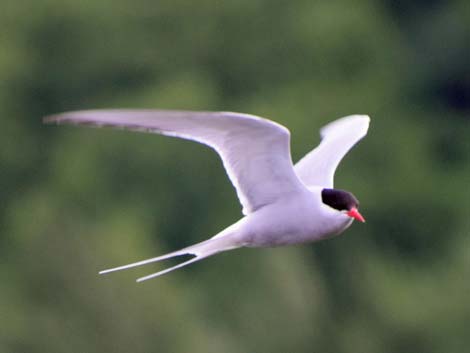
(65, 117)
(82, 117)
(364, 118)
(355, 121)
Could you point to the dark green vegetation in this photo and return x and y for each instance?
(78, 200)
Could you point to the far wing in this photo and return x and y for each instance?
(318, 166)
(255, 151)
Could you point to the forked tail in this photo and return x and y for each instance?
(200, 251)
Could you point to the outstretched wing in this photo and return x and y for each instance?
(255, 151)
(318, 166)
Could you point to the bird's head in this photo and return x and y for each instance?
(342, 201)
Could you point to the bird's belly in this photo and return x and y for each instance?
(293, 225)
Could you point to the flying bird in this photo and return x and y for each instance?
(282, 203)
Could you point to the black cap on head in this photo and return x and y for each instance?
(339, 199)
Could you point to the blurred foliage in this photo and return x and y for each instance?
(77, 200)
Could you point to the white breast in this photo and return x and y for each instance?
(300, 219)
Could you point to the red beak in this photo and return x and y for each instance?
(354, 213)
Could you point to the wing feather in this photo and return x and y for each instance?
(318, 167)
(255, 151)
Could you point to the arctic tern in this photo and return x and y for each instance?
(282, 204)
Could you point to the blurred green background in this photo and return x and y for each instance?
(78, 200)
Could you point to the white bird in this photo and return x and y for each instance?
(282, 204)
